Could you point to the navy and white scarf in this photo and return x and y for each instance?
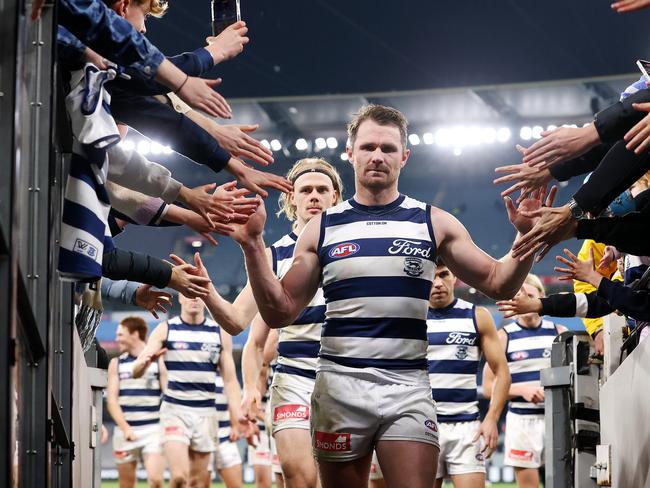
(85, 234)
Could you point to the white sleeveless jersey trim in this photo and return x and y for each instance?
(191, 360)
(139, 398)
(528, 351)
(299, 343)
(377, 267)
(453, 360)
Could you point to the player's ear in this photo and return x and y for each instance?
(405, 156)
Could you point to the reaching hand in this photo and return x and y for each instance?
(554, 225)
(577, 269)
(489, 431)
(235, 140)
(519, 305)
(527, 178)
(533, 394)
(609, 256)
(253, 228)
(638, 137)
(153, 300)
(90, 56)
(186, 280)
(201, 201)
(199, 268)
(256, 180)
(241, 206)
(199, 94)
(229, 43)
(251, 404)
(150, 358)
(523, 217)
(561, 144)
(629, 6)
(129, 435)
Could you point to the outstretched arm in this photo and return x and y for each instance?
(230, 383)
(152, 351)
(280, 302)
(496, 360)
(232, 317)
(252, 363)
(499, 279)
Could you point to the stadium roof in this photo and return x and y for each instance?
(366, 46)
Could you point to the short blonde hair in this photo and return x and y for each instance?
(535, 282)
(284, 202)
(157, 8)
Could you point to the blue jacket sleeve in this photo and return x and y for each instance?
(70, 50)
(162, 123)
(121, 291)
(195, 63)
(633, 303)
(97, 26)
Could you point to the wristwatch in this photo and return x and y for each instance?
(576, 212)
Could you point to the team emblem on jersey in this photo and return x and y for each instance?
(180, 346)
(413, 267)
(518, 355)
(344, 250)
(213, 349)
(547, 353)
(461, 352)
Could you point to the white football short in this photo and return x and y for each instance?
(260, 455)
(148, 441)
(291, 402)
(524, 440)
(458, 454)
(227, 455)
(367, 412)
(199, 432)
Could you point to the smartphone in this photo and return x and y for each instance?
(644, 66)
(224, 13)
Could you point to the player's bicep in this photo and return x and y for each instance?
(461, 255)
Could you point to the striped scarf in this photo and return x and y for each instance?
(85, 234)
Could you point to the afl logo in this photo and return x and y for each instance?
(344, 250)
(431, 425)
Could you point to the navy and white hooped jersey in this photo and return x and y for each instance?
(299, 343)
(528, 352)
(221, 405)
(378, 265)
(453, 355)
(139, 398)
(191, 359)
